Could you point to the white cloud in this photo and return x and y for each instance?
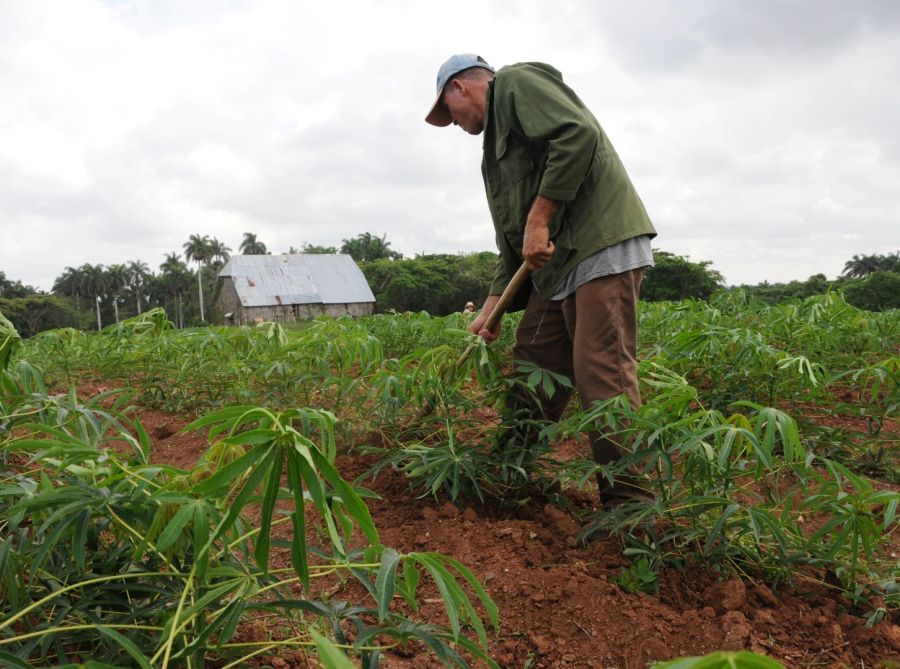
(760, 136)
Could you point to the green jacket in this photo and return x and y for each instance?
(540, 139)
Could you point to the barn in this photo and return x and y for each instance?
(285, 288)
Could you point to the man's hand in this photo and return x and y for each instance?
(477, 325)
(536, 246)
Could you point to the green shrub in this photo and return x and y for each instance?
(880, 291)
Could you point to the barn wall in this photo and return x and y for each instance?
(302, 312)
(228, 300)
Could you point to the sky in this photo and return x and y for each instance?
(762, 136)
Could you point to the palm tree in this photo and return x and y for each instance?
(94, 283)
(138, 274)
(315, 248)
(220, 253)
(251, 246)
(200, 250)
(69, 283)
(175, 278)
(116, 282)
(861, 266)
(891, 262)
(367, 247)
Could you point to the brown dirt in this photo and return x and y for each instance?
(558, 603)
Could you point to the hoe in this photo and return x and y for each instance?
(506, 298)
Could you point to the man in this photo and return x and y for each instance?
(561, 202)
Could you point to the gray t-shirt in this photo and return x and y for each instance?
(630, 254)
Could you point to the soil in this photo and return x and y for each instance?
(559, 605)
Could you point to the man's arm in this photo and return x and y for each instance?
(536, 251)
(536, 246)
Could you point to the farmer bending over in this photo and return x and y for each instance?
(561, 201)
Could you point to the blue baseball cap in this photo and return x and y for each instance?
(453, 65)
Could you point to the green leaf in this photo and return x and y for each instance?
(11, 660)
(257, 474)
(220, 416)
(173, 529)
(717, 528)
(454, 597)
(226, 475)
(486, 601)
(384, 582)
(214, 594)
(270, 496)
(201, 539)
(299, 556)
(317, 491)
(890, 512)
(410, 584)
(330, 655)
(231, 617)
(252, 437)
(143, 441)
(355, 506)
(126, 644)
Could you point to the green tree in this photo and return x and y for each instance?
(116, 283)
(35, 313)
(220, 253)
(200, 250)
(138, 274)
(677, 278)
(777, 293)
(315, 248)
(862, 266)
(175, 279)
(94, 284)
(439, 284)
(9, 288)
(879, 291)
(70, 284)
(368, 248)
(251, 246)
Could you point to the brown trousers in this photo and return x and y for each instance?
(590, 337)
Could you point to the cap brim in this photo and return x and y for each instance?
(438, 115)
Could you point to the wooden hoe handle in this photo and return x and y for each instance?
(509, 293)
(490, 323)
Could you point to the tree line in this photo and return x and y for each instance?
(91, 296)
(870, 282)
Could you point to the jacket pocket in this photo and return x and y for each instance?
(513, 159)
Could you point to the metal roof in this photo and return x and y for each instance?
(302, 278)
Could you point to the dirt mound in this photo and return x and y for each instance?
(559, 604)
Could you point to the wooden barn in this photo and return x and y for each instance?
(285, 288)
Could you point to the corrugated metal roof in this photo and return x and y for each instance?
(303, 278)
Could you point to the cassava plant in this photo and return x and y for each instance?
(108, 556)
(733, 489)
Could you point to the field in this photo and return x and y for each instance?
(245, 496)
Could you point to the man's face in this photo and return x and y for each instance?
(462, 103)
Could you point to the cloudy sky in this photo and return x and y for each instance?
(762, 135)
